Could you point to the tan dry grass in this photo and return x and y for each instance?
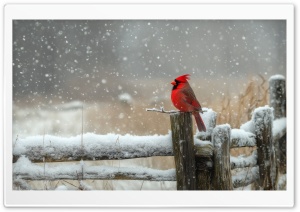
(238, 110)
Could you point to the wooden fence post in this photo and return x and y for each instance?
(263, 120)
(204, 165)
(222, 169)
(183, 147)
(278, 102)
(280, 151)
(278, 95)
(204, 152)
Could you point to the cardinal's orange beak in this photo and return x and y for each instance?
(173, 83)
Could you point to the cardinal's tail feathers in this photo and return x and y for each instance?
(199, 121)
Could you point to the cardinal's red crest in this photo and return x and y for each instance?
(183, 78)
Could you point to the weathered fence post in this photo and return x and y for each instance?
(278, 95)
(263, 120)
(204, 151)
(204, 165)
(222, 170)
(280, 161)
(183, 147)
(278, 102)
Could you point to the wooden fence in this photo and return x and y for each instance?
(202, 161)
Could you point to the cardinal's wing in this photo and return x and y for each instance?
(190, 98)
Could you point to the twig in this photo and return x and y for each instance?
(70, 183)
(107, 186)
(161, 110)
(56, 184)
(142, 184)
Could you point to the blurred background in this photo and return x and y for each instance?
(118, 68)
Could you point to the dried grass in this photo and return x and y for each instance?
(238, 111)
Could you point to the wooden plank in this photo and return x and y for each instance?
(183, 148)
(222, 174)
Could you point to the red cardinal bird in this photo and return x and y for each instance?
(184, 99)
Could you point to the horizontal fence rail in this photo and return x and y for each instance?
(26, 170)
(106, 147)
(243, 162)
(94, 147)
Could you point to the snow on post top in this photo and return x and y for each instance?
(265, 113)
(264, 109)
(209, 119)
(219, 133)
(277, 77)
(262, 117)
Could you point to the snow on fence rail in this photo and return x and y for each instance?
(27, 170)
(203, 161)
(93, 147)
(50, 148)
(242, 161)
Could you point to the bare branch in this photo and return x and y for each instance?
(162, 110)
